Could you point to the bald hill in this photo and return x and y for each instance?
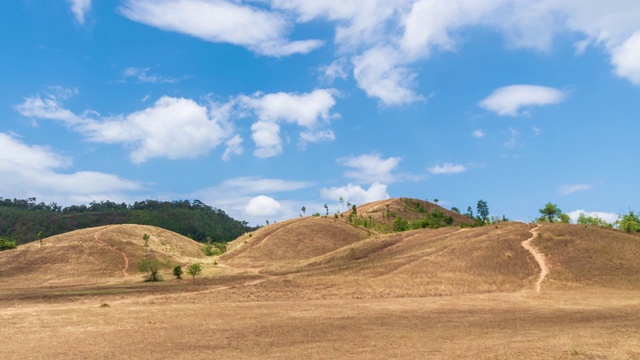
(22, 219)
(321, 257)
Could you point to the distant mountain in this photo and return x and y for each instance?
(22, 220)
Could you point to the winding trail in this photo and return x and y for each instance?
(124, 256)
(540, 259)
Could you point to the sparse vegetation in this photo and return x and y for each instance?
(549, 213)
(629, 222)
(177, 272)
(593, 221)
(151, 268)
(7, 244)
(145, 238)
(194, 270)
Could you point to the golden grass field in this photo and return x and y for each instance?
(318, 288)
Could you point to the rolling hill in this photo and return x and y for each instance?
(329, 256)
(107, 254)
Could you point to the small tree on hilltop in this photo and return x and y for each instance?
(194, 270)
(483, 211)
(304, 209)
(151, 267)
(40, 237)
(550, 212)
(629, 222)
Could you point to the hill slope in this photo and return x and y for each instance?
(95, 255)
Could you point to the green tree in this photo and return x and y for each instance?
(194, 270)
(483, 211)
(40, 237)
(177, 272)
(564, 218)
(436, 201)
(584, 219)
(145, 238)
(399, 224)
(341, 201)
(629, 222)
(304, 209)
(469, 212)
(550, 212)
(150, 267)
(6, 244)
(354, 209)
(455, 210)
(326, 208)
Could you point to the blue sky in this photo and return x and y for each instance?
(262, 107)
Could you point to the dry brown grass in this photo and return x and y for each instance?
(325, 290)
(582, 255)
(77, 258)
(405, 208)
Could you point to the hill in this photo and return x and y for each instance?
(22, 220)
(97, 255)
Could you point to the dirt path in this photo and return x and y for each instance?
(124, 256)
(540, 259)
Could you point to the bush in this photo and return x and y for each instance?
(151, 267)
(214, 249)
(6, 244)
(177, 272)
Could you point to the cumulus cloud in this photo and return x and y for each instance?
(172, 127)
(30, 170)
(221, 21)
(570, 189)
(606, 216)
(383, 38)
(370, 168)
(447, 169)
(626, 59)
(311, 111)
(262, 206)
(356, 194)
(508, 100)
(80, 9)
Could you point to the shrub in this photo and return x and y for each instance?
(193, 270)
(151, 267)
(177, 272)
(6, 244)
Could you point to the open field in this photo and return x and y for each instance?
(439, 294)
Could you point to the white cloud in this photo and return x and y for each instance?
(356, 194)
(80, 9)
(28, 170)
(50, 107)
(259, 185)
(381, 74)
(221, 21)
(508, 100)
(263, 206)
(606, 216)
(447, 169)
(172, 127)
(570, 189)
(370, 168)
(626, 59)
(478, 134)
(309, 110)
(142, 75)
(234, 147)
(338, 69)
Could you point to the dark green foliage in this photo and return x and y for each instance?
(483, 211)
(549, 212)
(150, 267)
(399, 224)
(177, 272)
(455, 210)
(6, 244)
(22, 220)
(436, 219)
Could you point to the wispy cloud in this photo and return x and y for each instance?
(570, 189)
(143, 76)
(478, 134)
(447, 169)
(80, 9)
(371, 168)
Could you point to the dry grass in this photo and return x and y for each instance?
(329, 292)
(590, 256)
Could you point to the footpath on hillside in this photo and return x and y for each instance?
(540, 259)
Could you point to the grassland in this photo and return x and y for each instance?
(320, 288)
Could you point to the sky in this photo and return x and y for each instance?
(262, 107)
